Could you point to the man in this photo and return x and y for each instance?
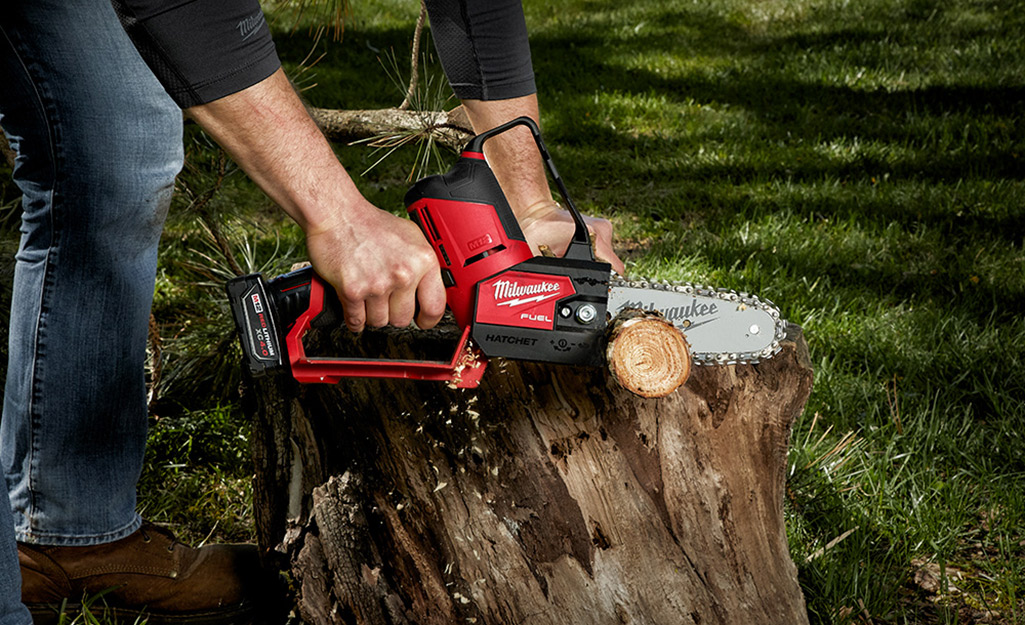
(99, 144)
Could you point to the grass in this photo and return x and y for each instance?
(861, 164)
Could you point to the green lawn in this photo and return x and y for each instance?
(861, 164)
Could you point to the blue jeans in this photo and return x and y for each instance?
(99, 145)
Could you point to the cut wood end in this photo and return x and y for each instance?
(648, 356)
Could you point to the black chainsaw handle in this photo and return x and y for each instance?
(291, 294)
(580, 246)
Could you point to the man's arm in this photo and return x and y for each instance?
(483, 47)
(217, 60)
(380, 264)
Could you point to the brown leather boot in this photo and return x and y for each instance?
(148, 573)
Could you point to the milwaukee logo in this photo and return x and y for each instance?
(677, 313)
(509, 293)
(251, 24)
(522, 299)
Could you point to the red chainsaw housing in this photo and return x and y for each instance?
(471, 227)
(517, 305)
(522, 299)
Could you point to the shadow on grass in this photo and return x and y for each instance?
(979, 123)
(939, 134)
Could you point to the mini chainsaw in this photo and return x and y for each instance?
(508, 302)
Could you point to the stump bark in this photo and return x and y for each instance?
(549, 495)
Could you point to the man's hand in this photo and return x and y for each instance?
(548, 224)
(380, 266)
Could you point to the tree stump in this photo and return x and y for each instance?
(548, 495)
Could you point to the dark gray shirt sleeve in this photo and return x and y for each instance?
(483, 47)
(201, 50)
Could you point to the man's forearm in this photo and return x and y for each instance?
(484, 50)
(268, 132)
(513, 154)
(517, 164)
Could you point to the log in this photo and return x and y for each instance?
(646, 354)
(449, 128)
(548, 495)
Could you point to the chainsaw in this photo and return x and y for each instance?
(507, 302)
